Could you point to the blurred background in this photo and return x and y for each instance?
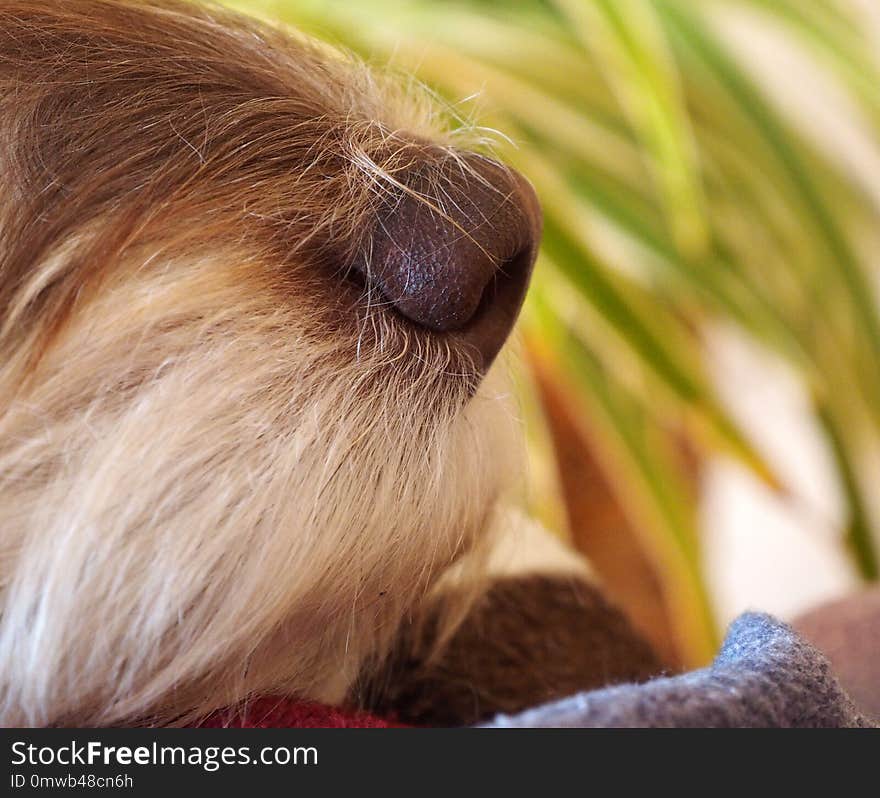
(701, 348)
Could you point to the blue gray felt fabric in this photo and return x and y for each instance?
(764, 675)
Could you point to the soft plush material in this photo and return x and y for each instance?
(287, 713)
(764, 675)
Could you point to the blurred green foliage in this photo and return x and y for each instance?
(676, 192)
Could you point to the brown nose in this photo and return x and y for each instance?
(453, 251)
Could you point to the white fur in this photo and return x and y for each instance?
(203, 498)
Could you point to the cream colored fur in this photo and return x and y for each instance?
(201, 500)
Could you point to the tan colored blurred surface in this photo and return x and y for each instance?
(847, 631)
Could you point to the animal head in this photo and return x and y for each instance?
(249, 297)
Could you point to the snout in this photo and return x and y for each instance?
(453, 250)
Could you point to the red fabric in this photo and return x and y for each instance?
(288, 713)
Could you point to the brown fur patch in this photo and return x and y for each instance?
(528, 640)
